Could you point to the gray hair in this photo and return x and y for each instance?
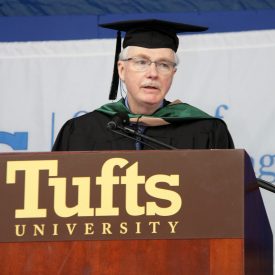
(124, 55)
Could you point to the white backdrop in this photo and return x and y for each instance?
(230, 75)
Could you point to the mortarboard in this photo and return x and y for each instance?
(150, 33)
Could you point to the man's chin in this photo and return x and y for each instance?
(152, 100)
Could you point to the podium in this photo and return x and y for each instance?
(132, 212)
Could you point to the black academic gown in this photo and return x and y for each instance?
(89, 132)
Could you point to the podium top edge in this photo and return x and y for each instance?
(195, 151)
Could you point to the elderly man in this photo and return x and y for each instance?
(144, 119)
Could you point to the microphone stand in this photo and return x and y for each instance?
(127, 132)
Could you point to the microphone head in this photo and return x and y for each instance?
(111, 125)
(120, 119)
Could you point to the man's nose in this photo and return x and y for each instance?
(152, 70)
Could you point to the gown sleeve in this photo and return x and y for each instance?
(221, 136)
(62, 142)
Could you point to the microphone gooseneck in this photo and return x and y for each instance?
(119, 125)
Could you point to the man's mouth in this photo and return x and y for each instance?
(150, 87)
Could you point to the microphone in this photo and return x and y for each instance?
(111, 125)
(120, 120)
(114, 125)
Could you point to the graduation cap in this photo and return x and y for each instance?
(150, 33)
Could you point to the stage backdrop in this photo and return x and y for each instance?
(229, 75)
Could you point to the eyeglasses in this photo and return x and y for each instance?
(142, 64)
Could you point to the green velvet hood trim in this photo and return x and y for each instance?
(171, 112)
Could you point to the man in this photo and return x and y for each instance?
(146, 68)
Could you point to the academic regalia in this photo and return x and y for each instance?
(149, 33)
(183, 127)
(89, 132)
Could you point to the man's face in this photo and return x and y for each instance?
(146, 89)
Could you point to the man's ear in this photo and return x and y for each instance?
(121, 69)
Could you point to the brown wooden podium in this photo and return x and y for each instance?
(222, 226)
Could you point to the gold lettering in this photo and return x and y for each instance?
(106, 228)
(154, 227)
(31, 191)
(38, 229)
(123, 228)
(71, 227)
(83, 205)
(132, 180)
(173, 226)
(138, 228)
(150, 186)
(18, 232)
(89, 229)
(107, 180)
(55, 231)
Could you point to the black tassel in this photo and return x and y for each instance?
(115, 79)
